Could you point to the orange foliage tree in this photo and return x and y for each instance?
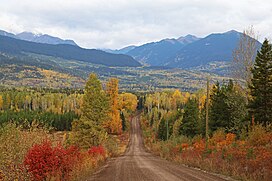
(113, 125)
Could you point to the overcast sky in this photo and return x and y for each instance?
(118, 23)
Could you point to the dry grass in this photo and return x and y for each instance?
(14, 145)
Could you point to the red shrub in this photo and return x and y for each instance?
(44, 161)
(97, 151)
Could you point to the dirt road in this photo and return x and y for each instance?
(137, 164)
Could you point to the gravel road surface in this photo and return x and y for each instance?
(138, 164)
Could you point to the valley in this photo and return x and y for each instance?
(184, 63)
(44, 71)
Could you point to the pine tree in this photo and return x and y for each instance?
(261, 87)
(237, 108)
(162, 130)
(124, 126)
(95, 102)
(219, 113)
(189, 125)
(228, 107)
(88, 130)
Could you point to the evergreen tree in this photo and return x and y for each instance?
(88, 130)
(95, 102)
(189, 125)
(162, 131)
(124, 126)
(261, 86)
(237, 108)
(219, 112)
(228, 107)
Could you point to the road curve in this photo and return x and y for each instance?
(137, 164)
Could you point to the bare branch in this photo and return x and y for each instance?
(244, 55)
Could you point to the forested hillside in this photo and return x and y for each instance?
(14, 46)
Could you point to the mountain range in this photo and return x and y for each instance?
(120, 51)
(213, 48)
(61, 64)
(38, 38)
(158, 53)
(187, 52)
(18, 47)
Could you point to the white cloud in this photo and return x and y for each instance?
(117, 23)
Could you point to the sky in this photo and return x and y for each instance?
(118, 23)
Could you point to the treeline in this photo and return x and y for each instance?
(42, 107)
(31, 100)
(57, 108)
(30, 119)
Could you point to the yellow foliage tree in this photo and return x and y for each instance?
(176, 99)
(186, 97)
(127, 101)
(148, 103)
(114, 124)
(202, 101)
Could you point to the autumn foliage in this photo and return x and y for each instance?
(113, 125)
(24, 155)
(45, 161)
(246, 159)
(97, 151)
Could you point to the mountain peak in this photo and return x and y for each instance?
(231, 32)
(4, 33)
(43, 38)
(170, 40)
(29, 33)
(190, 36)
(187, 39)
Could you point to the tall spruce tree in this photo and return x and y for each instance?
(219, 113)
(261, 87)
(228, 107)
(191, 119)
(162, 130)
(124, 125)
(88, 130)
